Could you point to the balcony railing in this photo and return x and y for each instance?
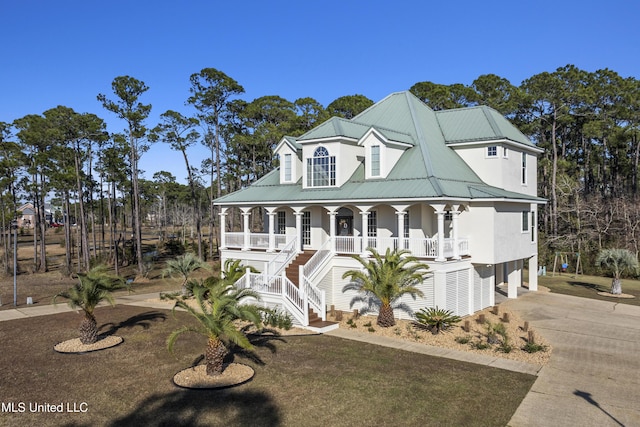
(419, 247)
(256, 240)
(422, 248)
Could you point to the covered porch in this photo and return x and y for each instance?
(429, 231)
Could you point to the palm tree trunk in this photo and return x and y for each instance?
(88, 329)
(214, 356)
(616, 286)
(385, 317)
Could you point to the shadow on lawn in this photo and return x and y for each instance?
(199, 407)
(589, 286)
(143, 319)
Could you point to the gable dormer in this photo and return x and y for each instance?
(289, 152)
(381, 153)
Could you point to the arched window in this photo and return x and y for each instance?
(321, 169)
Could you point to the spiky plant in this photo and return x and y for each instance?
(386, 279)
(436, 319)
(184, 266)
(618, 262)
(93, 287)
(218, 306)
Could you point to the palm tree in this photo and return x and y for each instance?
(618, 262)
(233, 270)
(386, 279)
(219, 305)
(94, 287)
(184, 266)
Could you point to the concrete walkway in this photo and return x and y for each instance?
(62, 307)
(593, 378)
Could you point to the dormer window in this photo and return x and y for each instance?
(321, 169)
(287, 167)
(375, 160)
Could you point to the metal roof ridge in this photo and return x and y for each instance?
(423, 145)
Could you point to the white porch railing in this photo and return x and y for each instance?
(234, 239)
(422, 248)
(256, 240)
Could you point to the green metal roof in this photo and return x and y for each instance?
(339, 127)
(429, 169)
(477, 124)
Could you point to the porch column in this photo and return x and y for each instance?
(272, 231)
(365, 232)
(332, 229)
(247, 234)
(440, 256)
(454, 224)
(514, 279)
(533, 273)
(299, 230)
(401, 242)
(223, 230)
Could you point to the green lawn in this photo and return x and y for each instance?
(589, 286)
(310, 380)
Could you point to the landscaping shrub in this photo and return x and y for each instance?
(436, 319)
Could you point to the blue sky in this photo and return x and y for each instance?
(66, 52)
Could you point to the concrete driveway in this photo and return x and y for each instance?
(593, 378)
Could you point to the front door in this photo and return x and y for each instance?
(344, 225)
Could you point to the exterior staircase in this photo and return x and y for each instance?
(293, 273)
(293, 270)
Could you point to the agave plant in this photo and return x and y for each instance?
(218, 306)
(436, 319)
(386, 279)
(93, 287)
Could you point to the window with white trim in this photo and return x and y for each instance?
(372, 224)
(281, 227)
(406, 225)
(492, 151)
(533, 226)
(375, 160)
(287, 167)
(306, 228)
(524, 168)
(525, 221)
(321, 169)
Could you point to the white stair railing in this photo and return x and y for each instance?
(315, 297)
(318, 259)
(284, 257)
(293, 299)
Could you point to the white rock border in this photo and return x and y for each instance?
(196, 377)
(74, 346)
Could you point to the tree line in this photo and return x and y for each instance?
(587, 123)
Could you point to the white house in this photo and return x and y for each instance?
(455, 187)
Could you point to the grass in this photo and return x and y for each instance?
(589, 286)
(307, 380)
